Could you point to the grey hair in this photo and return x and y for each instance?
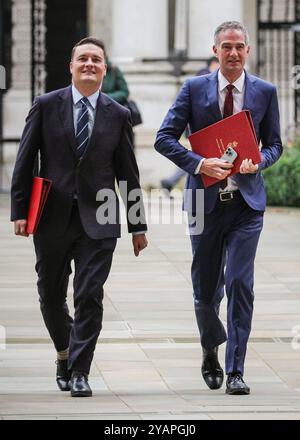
(231, 25)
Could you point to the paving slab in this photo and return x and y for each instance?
(147, 363)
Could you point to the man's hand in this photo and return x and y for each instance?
(248, 167)
(216, 168)
(139, 242)
(20, 228)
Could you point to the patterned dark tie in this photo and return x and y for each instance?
(228, 104)
(228, 111)
(82, 129)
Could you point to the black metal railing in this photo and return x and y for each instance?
(278, 54)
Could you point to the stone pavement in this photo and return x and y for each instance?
(147, 361)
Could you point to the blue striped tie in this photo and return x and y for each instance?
(82, 130)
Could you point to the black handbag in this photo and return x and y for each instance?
(136, 117)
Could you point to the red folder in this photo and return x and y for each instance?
(236, 131)
(39, 194)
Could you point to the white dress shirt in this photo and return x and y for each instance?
(77, 96)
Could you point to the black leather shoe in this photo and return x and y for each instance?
(79, 385)
(63, 375)
(211, 369)
(236, 385)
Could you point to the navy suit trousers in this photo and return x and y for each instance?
(92, 262)
(223, 256)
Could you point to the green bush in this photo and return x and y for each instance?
(282, 180)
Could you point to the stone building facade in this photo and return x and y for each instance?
(157, 44)
(137, 35)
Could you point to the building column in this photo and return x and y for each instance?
(100, 21)
(17, 99)
(250, 21)
(205, 16)
(143, 33)
(139, 32)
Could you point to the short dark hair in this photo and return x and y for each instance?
(89, 40)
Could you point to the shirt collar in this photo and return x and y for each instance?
(238, 84)
(77, 96)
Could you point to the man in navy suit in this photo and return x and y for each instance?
(224, 252)
(85, 144)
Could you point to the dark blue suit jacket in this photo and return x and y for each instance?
(197, 105)
(108, 157)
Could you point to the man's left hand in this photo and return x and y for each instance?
(248, 167)
(139, 242)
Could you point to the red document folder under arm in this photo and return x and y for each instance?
(39, 194)
(236, 131)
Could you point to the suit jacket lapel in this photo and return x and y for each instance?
(249, 100)
(65, 105)
(99, 123)
(213, 95)
(66, 116)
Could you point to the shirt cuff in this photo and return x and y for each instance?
(139, 232)
(197, 170)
